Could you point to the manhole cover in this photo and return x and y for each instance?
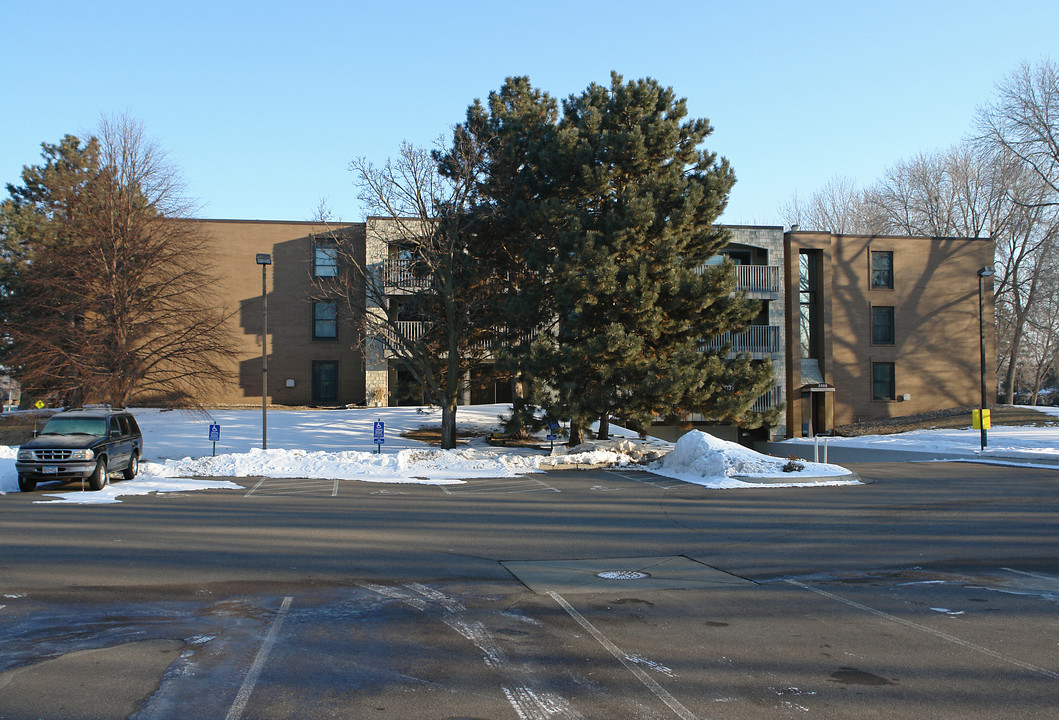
(623, 575)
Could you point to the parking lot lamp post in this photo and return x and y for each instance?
(264, 260)
(982, 274)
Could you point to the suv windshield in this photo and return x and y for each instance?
(75, 426)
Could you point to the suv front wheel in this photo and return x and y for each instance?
(26, 484)
(134, 465)
(98, 479)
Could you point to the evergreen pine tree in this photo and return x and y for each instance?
(631, 211)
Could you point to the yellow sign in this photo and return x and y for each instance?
(39, 405)
(980, 418)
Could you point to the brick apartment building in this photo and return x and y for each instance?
(850, 336)
(882, 327)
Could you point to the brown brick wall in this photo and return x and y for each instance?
(935, 301)
(291, 347)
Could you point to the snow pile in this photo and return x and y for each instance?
(702, 459)
(418, 465)
(618, 451)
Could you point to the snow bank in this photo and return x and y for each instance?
(417, 465)
(703, 459)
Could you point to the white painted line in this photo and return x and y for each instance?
(334, 493)
(1039, 576)
(243, 696)
(659, 691)
(937, 633)
(259, 482)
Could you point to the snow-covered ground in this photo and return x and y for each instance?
(1005, 443)
(339, 444)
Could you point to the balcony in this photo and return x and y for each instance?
(759, 341)
(414, 331)
(398, 274)
(759, 282)
(768, 401)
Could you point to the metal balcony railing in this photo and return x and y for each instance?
(400, 273)
(758, 278)
(754, 279)
(756, 340)
(768, 401)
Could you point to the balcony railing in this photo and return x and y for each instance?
(400, 273)
(755, 279)
(768, 401)
(758, 278)
(757, 340)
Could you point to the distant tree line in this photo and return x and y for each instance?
(1003, 183)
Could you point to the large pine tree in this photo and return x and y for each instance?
(610, 211)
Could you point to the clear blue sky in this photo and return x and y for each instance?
(263, 104)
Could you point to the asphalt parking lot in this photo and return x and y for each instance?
(931, 592)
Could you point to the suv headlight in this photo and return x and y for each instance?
(81, 455)
(25, 454)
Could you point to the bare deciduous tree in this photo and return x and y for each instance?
(840, 207)
(108, 293)
(1024, 120)
(426, 304)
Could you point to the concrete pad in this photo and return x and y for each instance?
(100, 683)
(620, 574)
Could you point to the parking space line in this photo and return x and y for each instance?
(251, 492)
(648, 479)
(243, 696)
(294, 486)
(923, 628)
(505, 486)
(659, 691)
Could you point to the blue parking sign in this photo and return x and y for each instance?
(379, 428)
(215, 432)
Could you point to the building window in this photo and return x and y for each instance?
(808, 304)
(882, 270)
(325, 320)
(325, 261)
(882, 381)
(325, 381)
(882, 325)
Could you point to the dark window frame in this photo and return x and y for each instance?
(330, 252)
(317, 320)
(889, 382)
(883, 333)
(881, 278)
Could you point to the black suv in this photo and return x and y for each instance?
(81, 444)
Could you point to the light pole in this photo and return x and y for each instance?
(264, 260)
(982, 274)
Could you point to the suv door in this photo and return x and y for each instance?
(120, 443)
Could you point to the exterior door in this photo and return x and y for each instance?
(325, 382)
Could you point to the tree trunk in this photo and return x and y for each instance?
(604, 427)
(1012, 369)
(448, 427)
(518, 427)
(577, 434)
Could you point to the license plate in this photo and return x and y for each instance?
(49, 470)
